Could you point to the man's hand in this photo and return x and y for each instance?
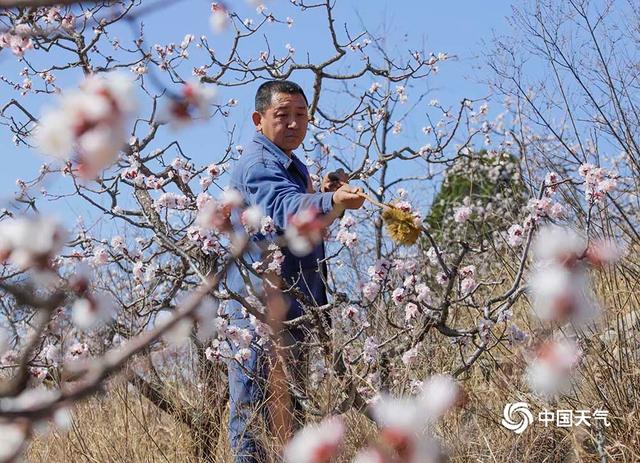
(347, 197)
(334, 180)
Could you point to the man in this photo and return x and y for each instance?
(269, 175)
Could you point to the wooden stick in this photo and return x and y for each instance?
(373, 201)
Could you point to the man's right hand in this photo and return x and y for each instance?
(347, 197)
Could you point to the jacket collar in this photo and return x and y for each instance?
(273, 149)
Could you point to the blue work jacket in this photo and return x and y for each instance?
(281, 186)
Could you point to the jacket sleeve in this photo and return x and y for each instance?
(267, 186)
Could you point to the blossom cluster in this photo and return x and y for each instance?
(401, 428)
(89, 123)
(598, 182)
(17, 40)
(561, 291)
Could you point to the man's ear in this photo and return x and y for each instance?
(257, 120)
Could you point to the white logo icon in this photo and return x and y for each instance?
(509, 420)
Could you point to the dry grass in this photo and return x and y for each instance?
(123, 427)
(118, 427)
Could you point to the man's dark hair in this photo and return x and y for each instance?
(265, 92)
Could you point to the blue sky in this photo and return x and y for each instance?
(457, 27)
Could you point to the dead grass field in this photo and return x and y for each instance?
(122, 426)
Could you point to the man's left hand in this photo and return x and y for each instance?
(334, 180)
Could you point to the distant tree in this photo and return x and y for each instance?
(489, 184)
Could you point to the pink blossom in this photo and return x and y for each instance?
(139, 69)
(262, 330)
(133, 172)
(399, 421)
(549, 371)
(100, 256)
(515, 235)
(202, 199)
(92, 310)
(557, 211)
(468, 272)
(206, 315)
(423, 293)
(38, 373)
(219, 19)
(379, 270)
(53, 15)
(560, 284)
(214, 170)
(467, 285)
(410, 282)
(305, 230)
(439, 394)
(370, 350)
(607, 185)
(18, 40)
(554, 243)
(178, 334)
(251, 219)
(442, 278)
(117, 242)
(276, 259)
(232, 197)
(28, 242)
(462, 214)
(267, 225)
(210, 246)
(347, 221)
(138, 270)
(433, 256)
(153, 182)
(370, 290)
(212, 353)
(584, 169)
(410, 357)
(12, 439)
(215, 215)
(539, 207)
(193, 101)
(351, 313)
(398, 295)
(347, 238)
(410, 311)
(369, 455)
(604, 252)
(68, 22)
(167, 200)
(317, 443)
(243, 355)
(9, 357)
(90, 122)
(550, 181)
(410, 265)
(78, 350)
(529, 221)
(403, 206)
(205, 182)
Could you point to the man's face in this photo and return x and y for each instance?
(285, 121)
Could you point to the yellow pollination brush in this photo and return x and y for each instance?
(399, 224)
